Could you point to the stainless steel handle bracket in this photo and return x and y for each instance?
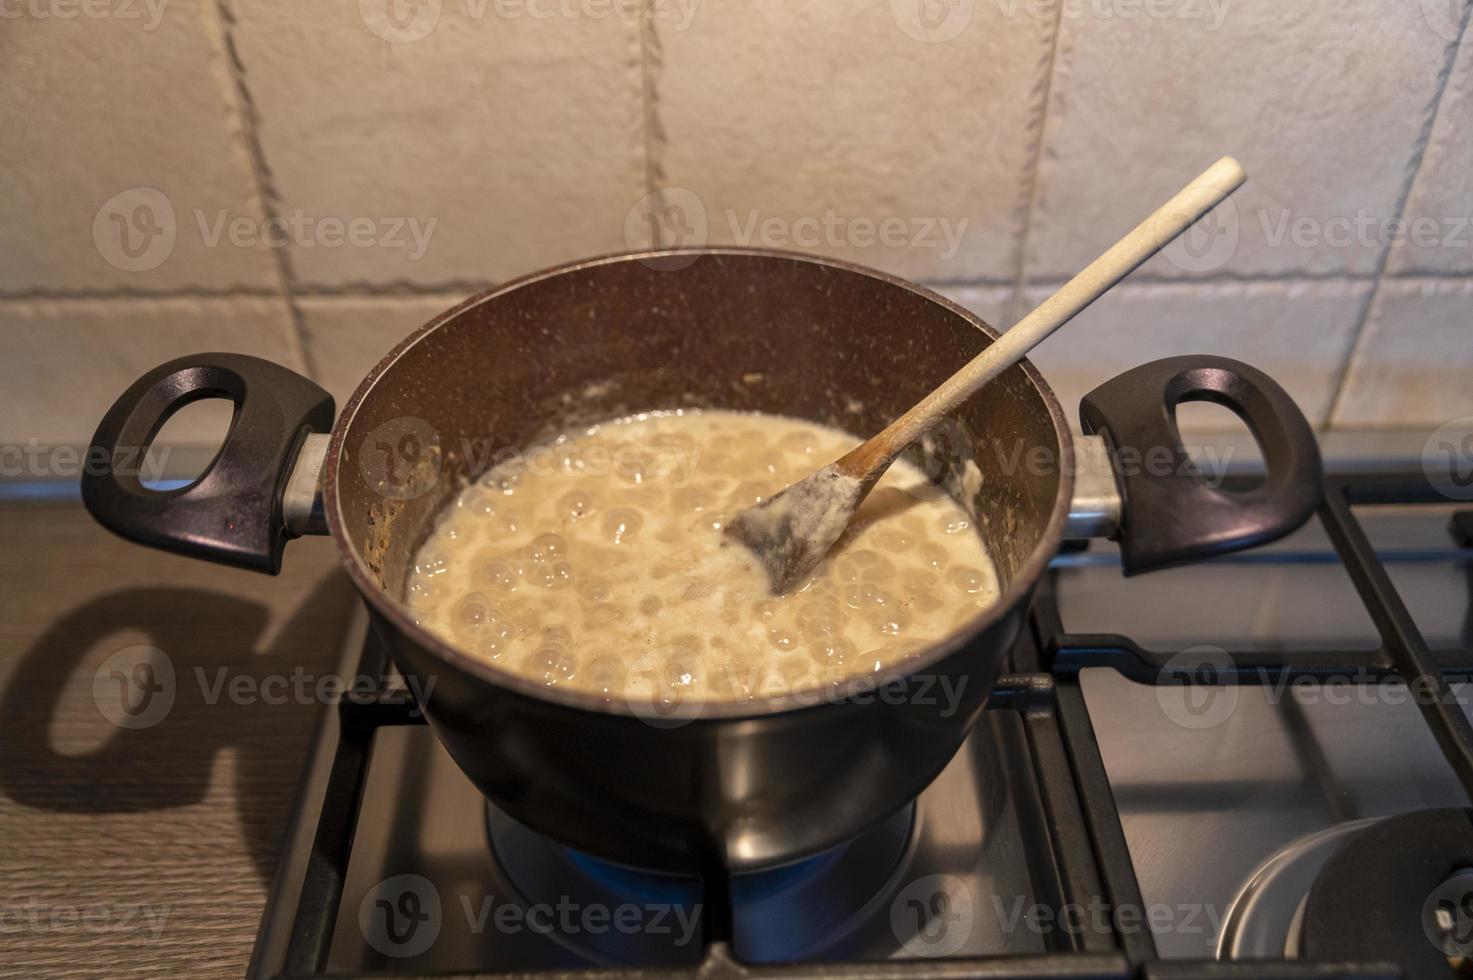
(301, 500)
(1096, 508)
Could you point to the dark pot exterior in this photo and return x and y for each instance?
(686, 793)
(735, 786)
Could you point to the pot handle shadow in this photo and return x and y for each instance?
(233, 512)
(153, 738)
(160, 745)
(1171, 513)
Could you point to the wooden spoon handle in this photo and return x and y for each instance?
(1148, 238)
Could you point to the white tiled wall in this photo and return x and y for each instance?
(521, 139)
(825, 111)
(310, 181)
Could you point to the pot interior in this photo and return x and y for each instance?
(744, 331)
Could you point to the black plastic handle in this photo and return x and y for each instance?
(232, 513)
(1170, 514)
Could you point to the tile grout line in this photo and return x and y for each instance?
(248, 117)
(1419, 154)
(1035, 164)
(129, 293)
(651, 62)
(464, 288)
(400, 287)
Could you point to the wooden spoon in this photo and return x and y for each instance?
(791, 531)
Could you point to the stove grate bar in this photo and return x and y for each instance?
(1400, 636)
(1102, 818)
(1073, 876)
(360, 714)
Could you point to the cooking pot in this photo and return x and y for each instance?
(738, 786)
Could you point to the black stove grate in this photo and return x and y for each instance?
(1088, 848)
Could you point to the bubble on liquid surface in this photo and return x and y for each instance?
(622, 524)
(552, 665)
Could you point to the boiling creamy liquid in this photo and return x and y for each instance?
(597, 563)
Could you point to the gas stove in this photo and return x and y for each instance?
(1257, 767)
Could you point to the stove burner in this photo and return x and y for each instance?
(1265, 921)
(790, 912)
(1397, 890)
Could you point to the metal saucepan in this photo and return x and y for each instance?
(734, 785)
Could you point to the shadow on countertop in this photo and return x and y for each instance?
(151, 719)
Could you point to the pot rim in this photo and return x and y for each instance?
(806, 699)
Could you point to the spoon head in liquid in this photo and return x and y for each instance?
(792, 531)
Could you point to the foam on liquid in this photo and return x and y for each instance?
(597, 563)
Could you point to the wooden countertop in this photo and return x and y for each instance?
(149, 851)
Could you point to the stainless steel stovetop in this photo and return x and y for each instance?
(1103, 817)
